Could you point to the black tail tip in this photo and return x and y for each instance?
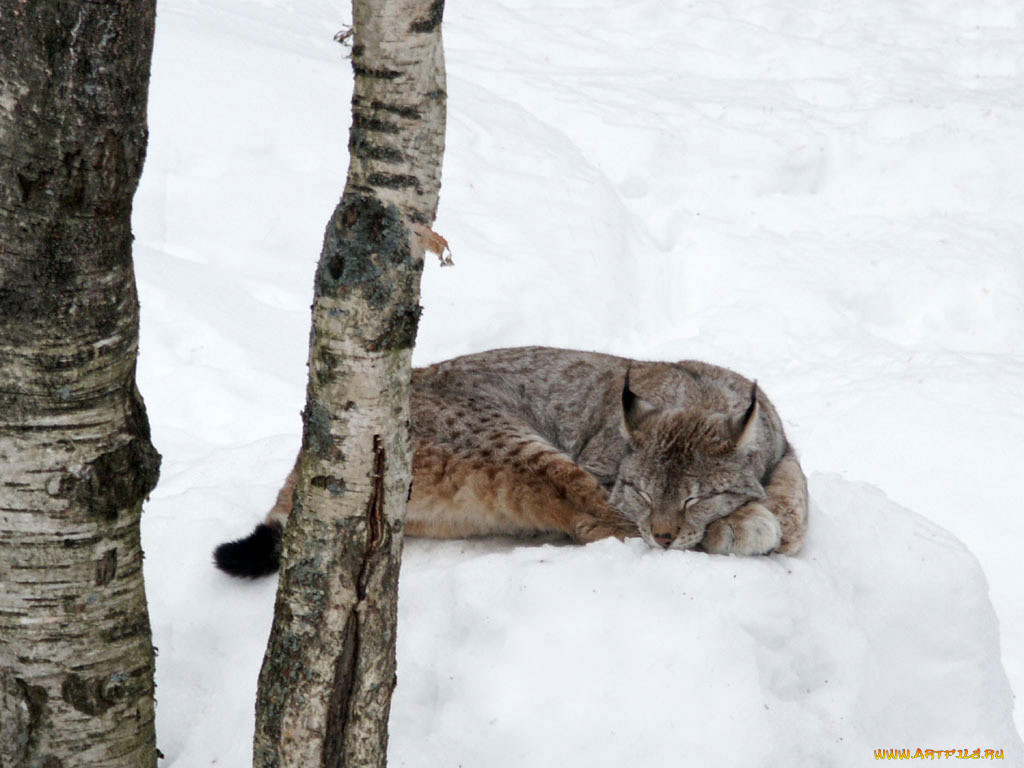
(258, 554)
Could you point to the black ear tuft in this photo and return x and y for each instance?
(634, 410)
(749, 414)
(258, 554)
(745, 427)
(629, 399)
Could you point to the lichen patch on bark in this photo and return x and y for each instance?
(116, 480)
(431, 20)
(364, 237)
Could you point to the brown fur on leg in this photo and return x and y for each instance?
(788, 501)
(523, 485)
(777, 523)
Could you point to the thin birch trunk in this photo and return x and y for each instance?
(327, 677)
(76, 462)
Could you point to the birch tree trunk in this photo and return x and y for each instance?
(327, 677)
(76, 656)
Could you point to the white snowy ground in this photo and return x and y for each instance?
(825, 196)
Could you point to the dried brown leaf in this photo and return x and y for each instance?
(433, 242)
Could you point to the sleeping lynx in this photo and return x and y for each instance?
(538, 440)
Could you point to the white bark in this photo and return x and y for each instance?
(76, 659)
(327, 678)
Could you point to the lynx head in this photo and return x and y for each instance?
(685, 468)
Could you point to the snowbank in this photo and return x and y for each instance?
(880, 635)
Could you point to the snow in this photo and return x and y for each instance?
(823, 196)
(619, 655)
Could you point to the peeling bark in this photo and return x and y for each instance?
(76, 657)
(327, 677)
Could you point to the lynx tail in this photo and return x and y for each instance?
(258, 554)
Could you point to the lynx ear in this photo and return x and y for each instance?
(744, 427)
(634, 410)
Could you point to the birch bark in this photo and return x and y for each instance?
(327, 677)
(76, 656)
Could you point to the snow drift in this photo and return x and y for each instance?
(879, 635)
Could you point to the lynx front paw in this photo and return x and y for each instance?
(750, 530)
(588, 528)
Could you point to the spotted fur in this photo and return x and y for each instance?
(536, 440)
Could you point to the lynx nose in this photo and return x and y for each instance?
(664, 529)
(665, 539)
